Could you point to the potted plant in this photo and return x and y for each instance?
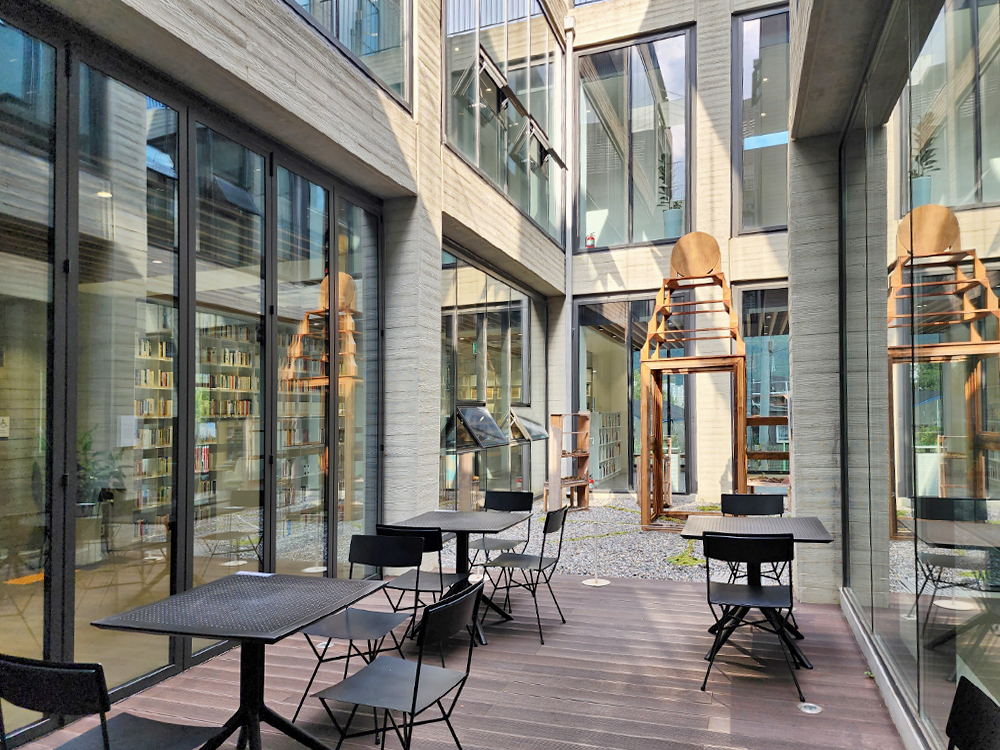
(673, 210)
(97, 471)
(922, 162)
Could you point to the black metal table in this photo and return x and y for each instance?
(804, 530)
(255, 609)
(461, 524)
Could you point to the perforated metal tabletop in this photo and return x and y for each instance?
(805, 529)
(254, 607)
(471, 522)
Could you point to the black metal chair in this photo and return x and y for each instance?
(743, 504)
(736, 600)
(411, 687)
(434, 583)
(502, 501)
(79, 690)
(974, 720)
(535, 569)
(932, 565)
(354, 624)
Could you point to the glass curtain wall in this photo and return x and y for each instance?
(504, 80)
(921, 373)
(377, 32)
(27, 159)
(633, 143)
(126, 368)
(762, 84)
(492, 354)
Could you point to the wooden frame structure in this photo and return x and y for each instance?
(695, 267)
(958, 293)
(569, 438)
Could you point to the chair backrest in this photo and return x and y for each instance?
(554, 520)
(968, 509)
(974, 721)
(53, 687)
(457, 588)
(433, 540)
(510, 501)
(741, 504)
(386, 551)
(748, 548)
(442, 620)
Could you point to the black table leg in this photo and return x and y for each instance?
(252, 710)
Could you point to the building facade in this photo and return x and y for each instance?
(347, 257)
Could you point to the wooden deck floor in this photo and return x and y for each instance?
(624, 672)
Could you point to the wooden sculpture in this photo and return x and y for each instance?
(691, 326)
(942, 309)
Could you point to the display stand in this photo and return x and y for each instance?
(691, 329)
(569, 440)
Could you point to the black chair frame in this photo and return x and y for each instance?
(535, 571)
(378, 552)
(740, 599)
(439, 623)
(502, 501)
(974, 719)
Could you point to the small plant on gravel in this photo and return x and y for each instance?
(686, 559)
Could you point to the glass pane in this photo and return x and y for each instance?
(765, 85)
(659, 139)
(603, 150)
(493, 31)
(556, 103)
(492, 130)
(989, 96)
(449, 466)
(517, 48)
(764, 324)
(518, 309)
(471, 318)
(538, 104)
(27, 100)
(461, 60)
(228, 466)
(498, 377)
(303, 375)
(604, 390)
(540, 185)
(517, 160)
(357, 375)
(126, 374)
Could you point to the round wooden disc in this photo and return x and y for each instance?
(695, 254)
(928, 230)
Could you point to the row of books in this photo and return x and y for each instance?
(234, 332)
(149, 348)
(154, 378)
(154, 437)
(151, 407)
(141, 528)
(235, 382)
(215, 355)
(242, 407)
(202, 458)
(153, 467)
(148, 496)
(292, 385)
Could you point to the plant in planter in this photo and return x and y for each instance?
(923, 161)
(673, 210)
(96, 470)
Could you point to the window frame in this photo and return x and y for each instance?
(688, 30)
(737, 120)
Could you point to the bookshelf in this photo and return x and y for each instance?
(569, 461)
(607, 445)
(152, 439)
(351, 412)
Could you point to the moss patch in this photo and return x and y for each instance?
(686, 559)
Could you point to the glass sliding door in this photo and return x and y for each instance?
(357, 374)
(303, 375)
(27, 102)
(127, 368)
(228, 466)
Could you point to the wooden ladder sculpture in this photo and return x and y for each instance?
(689, 329)
(943, 310)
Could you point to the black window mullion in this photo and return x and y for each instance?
(333, 392)
(627, 59)
(269, 422)
(977, 100)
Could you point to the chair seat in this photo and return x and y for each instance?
(514, 560)
(131, 731)
(742, 595)
(430, 580)
(954, 562)
(493, 544)
(388, 683)
(357, 625)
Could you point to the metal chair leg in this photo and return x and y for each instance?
(779, 629)
(714, 650)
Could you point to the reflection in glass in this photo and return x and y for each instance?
(127, 367)
(448, 478)
(461, 61)
(764, 85)
(538, 81)
(303, 374)
(659, 138)
(492, 130)
(27, 100)
(357, 369)
(228, 466)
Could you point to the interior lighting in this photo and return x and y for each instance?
(103, 194)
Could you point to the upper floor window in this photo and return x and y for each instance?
(634, 143)
(503, 94)
(761, 121)
(374, 32)
(954, 110)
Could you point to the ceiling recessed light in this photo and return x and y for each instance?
(765, 80)
(103, 194)
(158, 262)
